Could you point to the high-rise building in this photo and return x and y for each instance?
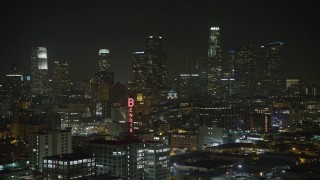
(245, 70)
(227, 78)
(117, 158)
(215, 63)
(14, 83)
(273, 65)
(26, 88)
(150, 69)
(141, 71)
(39, 71)
(214, 42)
(61, 78)
(48, 143)
(142, 117)
(260, 70)
(104, 60)
(101, 85)
(189, 85)
(159, 66)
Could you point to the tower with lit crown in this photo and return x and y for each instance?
(104, 60)
(215, 62)
(101, 84)
(39, 71)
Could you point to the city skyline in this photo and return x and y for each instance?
(75, 31)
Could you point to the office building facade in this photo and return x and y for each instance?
(117, 158)
(61, 78)
(48, 143)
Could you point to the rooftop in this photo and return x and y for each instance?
(69, 157)
(115, 142)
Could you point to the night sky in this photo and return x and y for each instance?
(75, 30)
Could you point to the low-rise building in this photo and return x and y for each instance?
(69, 166)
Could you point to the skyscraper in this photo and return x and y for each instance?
(273, 65)
(189, 86)
(39, 71)
(104, 60)
(101, 84)
(140, 71)
(245, 70)
(158, 84)
(14, 83)
(61, 78)
(214, 42)
(150, 69)
(215, 62)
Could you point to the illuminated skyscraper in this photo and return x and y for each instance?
(245, 70)
(140, 71)
(215, 62)
(101, 85)
(214, 42)
(61, 78)
(150, 69)
(153, 45)
(198, 65)
(104, 60)
(260, 70)
(158, 59)
(39, 71)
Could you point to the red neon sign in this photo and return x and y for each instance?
(130, 106)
